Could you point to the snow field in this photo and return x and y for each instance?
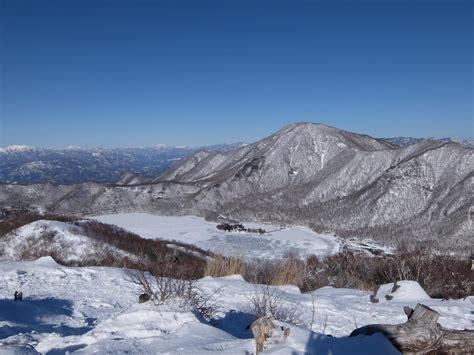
(95, 310)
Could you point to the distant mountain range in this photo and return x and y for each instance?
(22, 164)
(310, 174)
(406, 141)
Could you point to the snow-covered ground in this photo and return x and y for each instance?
(95, 310)
(63, 240)
(276, 243)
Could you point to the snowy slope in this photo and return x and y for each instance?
(95, 309)
(296, 151)
(195, 166)
(65, 241)
(278, 242)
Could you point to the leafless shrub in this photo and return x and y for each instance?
(442, 276)
(182, 291)
(259, 271)
(205, 304)
(269, 302)
(142, 280)
(161, 288)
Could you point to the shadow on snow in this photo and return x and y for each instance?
(38, 315)
(357, 345)
(237, 324)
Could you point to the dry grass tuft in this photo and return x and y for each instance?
(224, 266)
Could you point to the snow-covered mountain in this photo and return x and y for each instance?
(22, 164)
(17, 149)
(305, 174)
(71, 165)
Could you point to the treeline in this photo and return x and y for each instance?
(442, 276)
(239, 227)
(155, 256)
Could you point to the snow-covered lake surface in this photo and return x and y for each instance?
(275, 243)
(95, 310)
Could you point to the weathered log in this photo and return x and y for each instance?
(422, 334)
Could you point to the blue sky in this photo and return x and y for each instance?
(135, 73)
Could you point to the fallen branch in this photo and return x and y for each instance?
(421, 333)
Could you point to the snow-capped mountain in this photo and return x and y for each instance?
(22, 164)
(71, 165)
(17, 149)
(306, 174)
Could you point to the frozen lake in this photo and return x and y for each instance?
(275, 243)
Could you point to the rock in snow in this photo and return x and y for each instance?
(402, 291)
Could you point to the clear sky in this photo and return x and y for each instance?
(135, 73)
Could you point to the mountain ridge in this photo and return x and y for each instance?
(71, 165)
(21, 164)
(328, 179)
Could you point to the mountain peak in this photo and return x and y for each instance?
(16, 148)
(323, 135)
(306, 125)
